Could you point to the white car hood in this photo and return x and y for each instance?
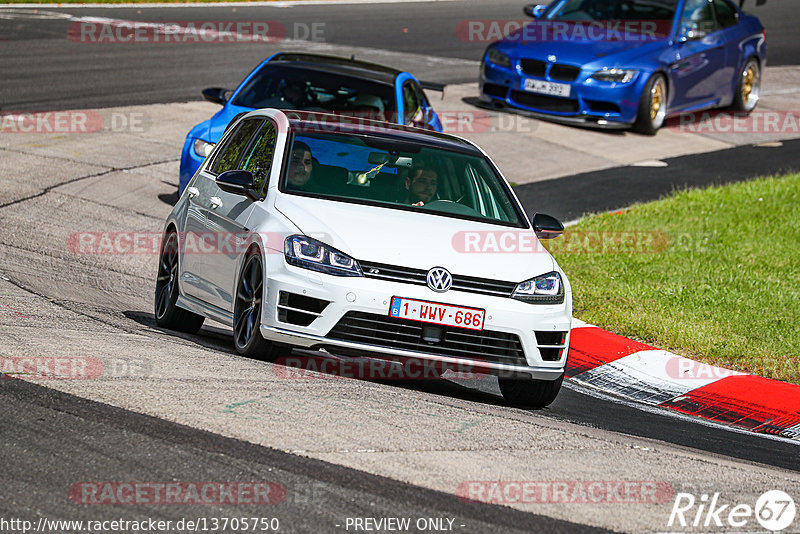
(419, 240)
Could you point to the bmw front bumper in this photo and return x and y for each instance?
(590, 102)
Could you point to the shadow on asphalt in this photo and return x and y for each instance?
(219, 338)
(474, 101)
(170, 199)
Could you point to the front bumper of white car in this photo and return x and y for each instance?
(351, 314)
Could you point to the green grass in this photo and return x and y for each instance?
(714, 274)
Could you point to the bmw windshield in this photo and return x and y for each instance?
(595, 10)
(288, 87)
(399, 175)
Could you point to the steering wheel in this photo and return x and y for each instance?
(449, 206)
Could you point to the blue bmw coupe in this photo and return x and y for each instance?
(313, 83)
(627, 63)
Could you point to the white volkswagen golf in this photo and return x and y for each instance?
(371, 240)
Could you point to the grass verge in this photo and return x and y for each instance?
(712, 274)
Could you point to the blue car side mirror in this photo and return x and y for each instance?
(534, 10)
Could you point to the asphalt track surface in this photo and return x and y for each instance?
(573, 196)
(52, 439)
(44, 70)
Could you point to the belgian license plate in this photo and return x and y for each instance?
(547, 88)
(431, 312)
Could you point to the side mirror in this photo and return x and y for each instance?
(534, 10)
(692, 35)
(546, 226)
(238, 183)
(216, 95)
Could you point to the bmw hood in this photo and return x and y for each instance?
(219, 122)
(420, 240)
(578, 45)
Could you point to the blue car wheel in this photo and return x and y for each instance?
(652, 106)
(748, 88)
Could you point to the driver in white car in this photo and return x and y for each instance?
(421, 186)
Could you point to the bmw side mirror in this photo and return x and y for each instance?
(692, 35)
(238, 183)
(534, 10)
(216, 95)
(546, 226)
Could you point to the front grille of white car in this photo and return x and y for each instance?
(390, 332)
(407, 275)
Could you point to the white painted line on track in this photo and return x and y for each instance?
(652, 376)
(228, 4)
(593, 391)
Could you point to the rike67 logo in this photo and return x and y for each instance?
(774, 510)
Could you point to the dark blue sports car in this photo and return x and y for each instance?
(623, 63)
(313, 83)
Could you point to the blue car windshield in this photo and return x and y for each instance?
(395, 174)
(595, 10)
(287, 87)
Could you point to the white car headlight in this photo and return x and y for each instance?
(302, 251)
(498, 58)
(615, 75)
(545, 289)
(202, 148)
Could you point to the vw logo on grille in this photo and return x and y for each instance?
(439, 279)
(552, 58)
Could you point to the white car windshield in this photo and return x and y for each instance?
(396, 174)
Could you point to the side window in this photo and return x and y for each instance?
(727, 15)
(258, 159)
(228, 158)
(411, 104)
(698, 15)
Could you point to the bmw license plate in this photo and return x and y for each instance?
(431, 312)
(547, 88)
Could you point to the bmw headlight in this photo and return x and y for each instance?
(615, 75)
(202, 148)
(545, 289)
(498, 58)
(302, 251)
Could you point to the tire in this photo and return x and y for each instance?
(247, 310)
(652, 106)
(168, 313)
(529, 393)
(748, 87)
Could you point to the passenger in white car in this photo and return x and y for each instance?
(301, 166)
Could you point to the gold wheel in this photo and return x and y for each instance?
(656, 101)
(748, 82)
